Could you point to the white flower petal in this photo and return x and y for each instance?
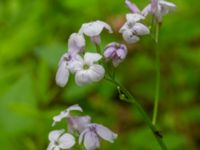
(106, 26)
(90, 58)
(168, 5)
(133, 18)
(94, 28)
(75, 107)
(66, 141)
(140, 29)
(56, 148)
(76, 64)
(51, 146)
(105, 133)
(91, 141)
(129, 37)
(82, 77)
(62, 74)
(54, 135)
(96, 72)
(76, 43)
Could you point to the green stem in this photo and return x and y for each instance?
(98, 48)
(157, 90)
(129, 98)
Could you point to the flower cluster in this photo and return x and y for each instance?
(88, 67)
(89, 133)
(134, 28)
(83, 64)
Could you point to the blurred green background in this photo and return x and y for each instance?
(33, 36)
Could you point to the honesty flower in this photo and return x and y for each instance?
(115, 52)
(132, 29)
(92, 134)
(94, 29)
(159, 8)
(60, 141)
(87, 70)
(66, 113)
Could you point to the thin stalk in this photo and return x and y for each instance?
(129, 98)
(157, 90)
(98, 48)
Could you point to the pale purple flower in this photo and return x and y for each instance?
(60, 140)
(93, 133)
(115, 52)
(66, 113)
(86, 69)
(76, 44)
(132, 29)
(94, 29)
(159, 8)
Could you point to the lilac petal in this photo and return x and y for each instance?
(62, 74)
(66, 141)
(82, 135)
(76, 43)
(109, 52)
(154, 6)
(91, 141)
(132, 6)
(121, 53)
(140, 29)
(54, 135)
(106, 133)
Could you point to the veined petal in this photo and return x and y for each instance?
(105, 133)
(140, 29)
(82, 77)
(82, 135)
(62, 74)
(66, 141)
(96, 72)
(91, 141)
(90, 58)
(54, 135)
